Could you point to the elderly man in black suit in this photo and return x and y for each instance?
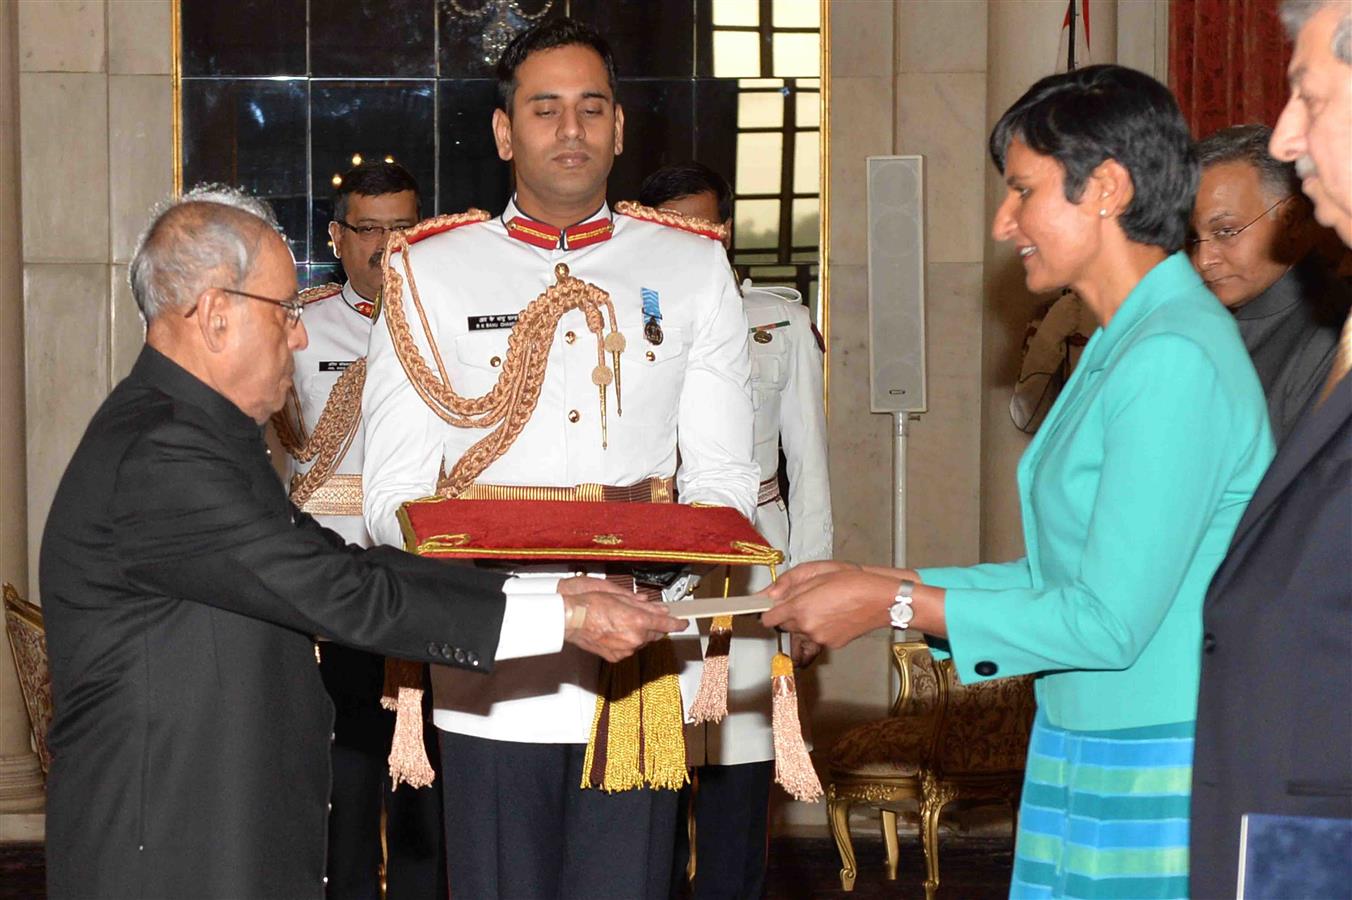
(183, 593)
(1274, 722)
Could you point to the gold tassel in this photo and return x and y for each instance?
(711, 701)
(793, 766)
(637, 738)
(663, 728)
(403, 693)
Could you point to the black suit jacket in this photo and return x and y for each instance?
(182, 592)
(1274, 720)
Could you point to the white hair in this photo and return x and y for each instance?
(211, 233)
(1296, 13)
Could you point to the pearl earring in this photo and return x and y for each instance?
(1103, 213)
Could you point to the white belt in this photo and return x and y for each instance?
(769, 491)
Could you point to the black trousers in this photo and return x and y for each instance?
(519, 826)
(730, 805)
(361, 748)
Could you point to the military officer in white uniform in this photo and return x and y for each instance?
(518, 825)
(321, 428)
(734, 758)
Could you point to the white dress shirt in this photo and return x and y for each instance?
(787, 392)
(689, 393)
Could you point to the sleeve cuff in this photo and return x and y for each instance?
(532, 620)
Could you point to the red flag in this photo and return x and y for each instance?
(1073, 51)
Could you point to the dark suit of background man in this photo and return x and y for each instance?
(183, 591)
(1274, 720)
(1253, 245)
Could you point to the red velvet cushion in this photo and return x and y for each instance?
(568, 529)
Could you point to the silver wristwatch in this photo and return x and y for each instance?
(901, 612)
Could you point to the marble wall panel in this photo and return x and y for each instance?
(942, 116)
(139, 39)
(65, 375)
(860, 441)
(860, 126)
(140, 155)
(126, 330)
(941, 36)
(64, 158)
(61, 36)
(943, 461)
(861, 34)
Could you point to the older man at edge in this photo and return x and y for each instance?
(1274, 719)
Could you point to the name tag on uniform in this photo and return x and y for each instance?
(493, 322)
(334, 365)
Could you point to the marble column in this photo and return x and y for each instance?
(20, 776)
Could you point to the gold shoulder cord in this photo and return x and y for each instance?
(512, 400)
(715, 230)
(333, 434)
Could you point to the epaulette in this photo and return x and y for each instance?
(320, 292)
(703, 227)
(442, 224)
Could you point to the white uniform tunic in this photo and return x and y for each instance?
(786, 389)
(339, 328)
(690, 392)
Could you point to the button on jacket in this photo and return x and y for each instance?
(1130, 492)
(690, 392)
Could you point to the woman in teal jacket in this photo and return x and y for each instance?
(1130, 492)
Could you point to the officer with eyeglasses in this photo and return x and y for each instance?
(1254, 245)
(321, 429)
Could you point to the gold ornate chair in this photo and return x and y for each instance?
(941, 741)
(28, 643)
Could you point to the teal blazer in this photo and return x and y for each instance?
(1130, 492)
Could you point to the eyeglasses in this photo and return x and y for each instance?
(1223, 236)
(293, 306)
(367, 231)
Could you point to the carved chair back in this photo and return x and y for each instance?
(28, 643)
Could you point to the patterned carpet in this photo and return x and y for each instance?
(972, 869)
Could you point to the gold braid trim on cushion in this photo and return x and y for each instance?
(509, 405)
(672, 219)
(332, 437)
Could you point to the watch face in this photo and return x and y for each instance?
(901, 614)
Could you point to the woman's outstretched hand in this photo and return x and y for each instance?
(830, 602)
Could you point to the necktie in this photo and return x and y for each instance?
(1342, 360)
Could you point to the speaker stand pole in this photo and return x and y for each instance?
(899, 490)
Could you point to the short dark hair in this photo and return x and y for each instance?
(1249, 144)
(1083, 117)
(685, 180)
(372, 179)
(548, 35)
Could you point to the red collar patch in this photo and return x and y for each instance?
(547, 237)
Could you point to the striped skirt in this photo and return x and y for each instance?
(1105, 813)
